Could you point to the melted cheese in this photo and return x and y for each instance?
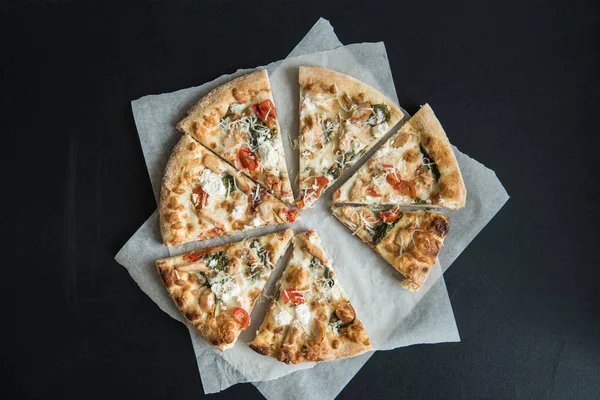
(283, 318)
(212, 184)
(303, 315)
(269, 157)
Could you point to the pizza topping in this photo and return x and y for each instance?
(199, 198)
(389, 218)
(269, 157)
(406, 188)
(283, 318)
(241, 316)
(389, 215)
(239, 211)
(265, 111)
(212, 184)
(224, 287)
(430, 164)
(217, 261)
(374, 191)
(379, 115)
(229, 183)
(303, 315)
(292, 215)
(336, 324)
(293, 295)
(248, 158)
(194, 256)
(345, 312)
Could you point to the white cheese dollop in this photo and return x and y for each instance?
(283, 318)
(237, 108)
(212, 184)
(239, 211)
(257, 221)
(223, 286)
(303, 315)
(268, 155)
(336, 293)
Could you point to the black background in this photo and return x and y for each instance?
(516, 85)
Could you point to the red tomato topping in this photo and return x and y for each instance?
(292, 215)
(242, 317)
(300, 204)
(291, 294)
(406, 188)
(389, 215)
(265, 110)
(248, 158)
(393, 177)
(201, 197)
(374, 191)
(194, 256)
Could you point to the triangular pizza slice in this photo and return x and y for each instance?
(238, 121)
(341, 118)
(216, 288)
(409, 240)
(203, 197)
(415, 167)
(310, 318)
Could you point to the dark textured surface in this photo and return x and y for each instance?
(516, 85)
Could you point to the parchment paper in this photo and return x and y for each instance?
(431, 321)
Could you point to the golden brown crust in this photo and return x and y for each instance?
(183, 276)
(434, 140)
(318, 339)
(327, 77)
(411, 246)
(181, 222)
(212, 107)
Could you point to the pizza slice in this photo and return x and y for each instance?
(409, 240)
(415, 167)
(310, 318)
(341, 118)
(238, 121)
(216, 288)
(203, 197)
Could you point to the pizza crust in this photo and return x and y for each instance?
(212, 107)
(326, 77)
(452, 186)
(193, 298)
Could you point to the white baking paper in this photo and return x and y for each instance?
(155, 117)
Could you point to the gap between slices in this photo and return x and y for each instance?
(203, 197)
(408, 240)
(217, 288)
(238, 122)
(341, 118)
(310, 318)
(415, 167)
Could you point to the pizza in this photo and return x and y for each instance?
(415, 167)
(409, 240)
(238, 121)
(341, 118)
(216, 288)
(310, 318)
(203, 197)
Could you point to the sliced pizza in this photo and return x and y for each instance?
(341, 118)
(216, 288)
(238, 121)
(409, 240)
(310, 318)
(415, 167)
(203, 197)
